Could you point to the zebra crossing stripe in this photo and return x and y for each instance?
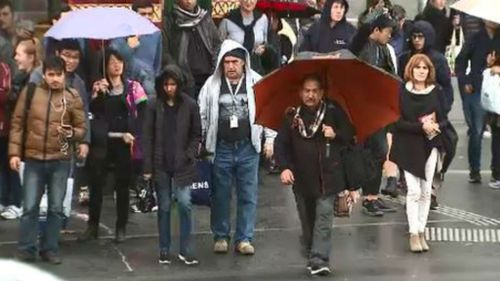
(467, 235)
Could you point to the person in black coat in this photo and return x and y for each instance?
(422, 40)
(172, 136)
(435, 14)
(331, 32)
(418, 143)
(308, 147)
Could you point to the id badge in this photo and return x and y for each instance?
(233, 122)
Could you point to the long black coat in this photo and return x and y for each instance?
(314, 173)
(187, 140)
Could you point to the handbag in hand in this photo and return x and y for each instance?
(343, 204)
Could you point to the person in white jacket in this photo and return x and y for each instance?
(227, 109)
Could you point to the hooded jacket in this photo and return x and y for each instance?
(322, 38)
(441, 24)
(188, 133)
(209, 102)
(443, 73)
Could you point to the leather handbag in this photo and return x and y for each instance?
(343, 204)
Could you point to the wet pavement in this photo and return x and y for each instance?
(464, 236)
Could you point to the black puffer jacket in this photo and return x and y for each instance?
(314, 173)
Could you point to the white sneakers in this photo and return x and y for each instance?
(11, 213)
(494, 184)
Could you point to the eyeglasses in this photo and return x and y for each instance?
(70, 57)
(417, 36)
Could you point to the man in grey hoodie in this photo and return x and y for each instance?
(227, 109)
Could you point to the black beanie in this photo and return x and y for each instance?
(238, 53)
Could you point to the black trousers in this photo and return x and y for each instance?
(377, 143)
(495, 145)
(118, 156)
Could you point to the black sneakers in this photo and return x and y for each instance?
(165, 258)
(319, 270)
(188, 260)
(474, 177)
(384, 207)
(50, 257)
(434, 203)
(370, 208)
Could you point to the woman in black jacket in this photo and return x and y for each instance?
(308, 149)
(418, 142)
(172, 136)
(116, 107)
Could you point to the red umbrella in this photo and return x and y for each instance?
(285, 9)
(369, 95)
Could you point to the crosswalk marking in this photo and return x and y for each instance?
(467, 235)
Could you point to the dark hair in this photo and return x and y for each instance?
(139, 4)
(314, 77)
(54, 63)
(361, 37)
(68, 44)
(327, 9)
(6, 3)
(64, 8)
(497, 58)
(110, 52)
(398, 12)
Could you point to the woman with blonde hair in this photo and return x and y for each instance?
(27, 57)
(418, 143)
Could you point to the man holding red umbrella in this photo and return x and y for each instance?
(308, 149)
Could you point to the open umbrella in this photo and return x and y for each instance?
(485, 9)
(101, 23)
(369, 95)
(286, 9)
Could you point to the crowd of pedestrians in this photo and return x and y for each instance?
(152, 104)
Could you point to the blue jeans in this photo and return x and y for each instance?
(10, 184)
(165, 189)
(475, 118)
(38, 174)
(235, 163)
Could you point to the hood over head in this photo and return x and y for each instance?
(170, 71)
(231, 47)
(427, 30)
(326, 13)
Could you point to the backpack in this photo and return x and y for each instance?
(27, 105)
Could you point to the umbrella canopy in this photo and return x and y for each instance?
(102, 23)
(369, 95)
(285, 9)
(485, 9)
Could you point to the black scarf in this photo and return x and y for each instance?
(236, 17)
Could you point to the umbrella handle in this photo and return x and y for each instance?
(103, 60)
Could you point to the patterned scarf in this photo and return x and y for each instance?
(313, 128)
(188, 19)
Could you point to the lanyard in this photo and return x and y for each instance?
(233, 94)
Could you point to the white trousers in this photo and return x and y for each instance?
(418, 198)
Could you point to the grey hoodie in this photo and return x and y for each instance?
(209, 102)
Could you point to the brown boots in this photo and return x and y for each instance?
(418, 243)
